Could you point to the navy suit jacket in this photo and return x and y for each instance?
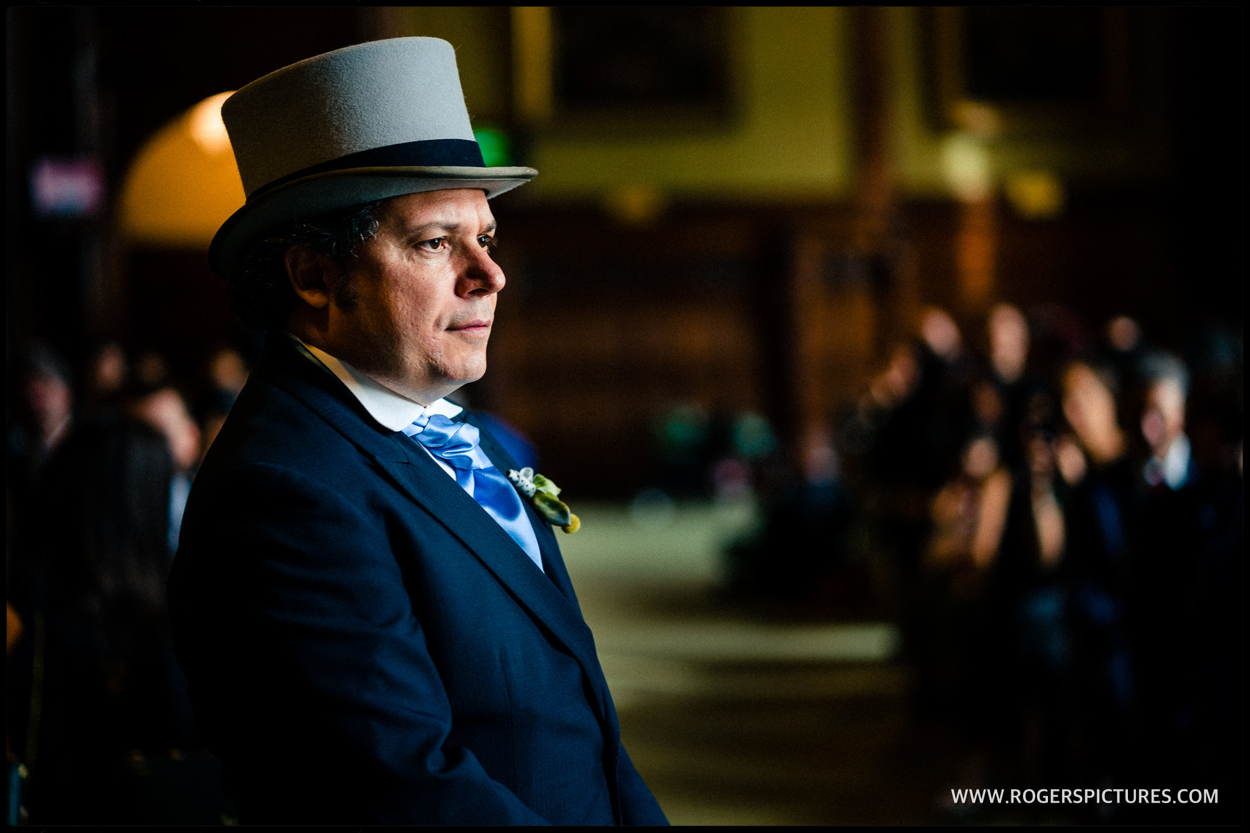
(364, 644)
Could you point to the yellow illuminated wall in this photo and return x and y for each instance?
(793, 130)
(789, 137)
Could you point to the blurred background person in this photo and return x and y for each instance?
(223, 377)
(1125, 343)
(896, 492)
(1005, 396)
(96, 703)
(1218, 690)
(165, 410)
(958, 634)
(950, 368)
(1032, 588)
(1170, 463)
(1099, 546)
(227, 373)
(42, 414)
(101, 692)
(799, 553)
(151, 368)
(914, 420)
(1171, 593)
(106, 375)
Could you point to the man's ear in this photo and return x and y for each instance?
(307, 272)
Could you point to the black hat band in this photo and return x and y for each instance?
(430, 153)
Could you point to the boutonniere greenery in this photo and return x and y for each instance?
(543, 495)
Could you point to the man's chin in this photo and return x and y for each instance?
(449, 383)
(467, 379)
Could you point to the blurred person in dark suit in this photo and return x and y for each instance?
(1170, 464)
(915, 418)
(886, 427)
(948, 370)
(376, 622)
(41, 408)
(1031, 585)
(1181, 517)
(165, 409)
(41, 411)
(1219, 687)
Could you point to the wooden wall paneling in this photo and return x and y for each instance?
(769, 309)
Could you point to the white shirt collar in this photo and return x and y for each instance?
(1176, 463)
(1173, 469)
(383, 404)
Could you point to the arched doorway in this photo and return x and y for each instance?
(182, 185)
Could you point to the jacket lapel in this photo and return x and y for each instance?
(550, 600)
(553, 562)
(553, 568)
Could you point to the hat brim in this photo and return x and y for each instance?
(321, 193)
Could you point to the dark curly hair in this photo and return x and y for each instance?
(259, 291)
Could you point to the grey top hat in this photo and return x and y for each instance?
(371, 121)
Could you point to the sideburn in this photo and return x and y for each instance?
(346, 296)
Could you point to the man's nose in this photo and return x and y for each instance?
(481, 274)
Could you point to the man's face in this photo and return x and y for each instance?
(422, 298)
(1163, 418)
(166, 411)
(1090, 408)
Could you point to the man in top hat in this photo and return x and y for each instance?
(375, 622)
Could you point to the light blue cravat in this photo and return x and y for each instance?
(456, 443)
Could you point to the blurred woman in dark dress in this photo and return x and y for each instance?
(1031, 585)
(104, 689)
(1098, 528)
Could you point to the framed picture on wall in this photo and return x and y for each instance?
(1030, 69)
(622, 67)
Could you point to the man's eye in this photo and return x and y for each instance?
(434, 245)
(487, 242)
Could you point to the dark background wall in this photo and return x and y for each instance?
(98, 82)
